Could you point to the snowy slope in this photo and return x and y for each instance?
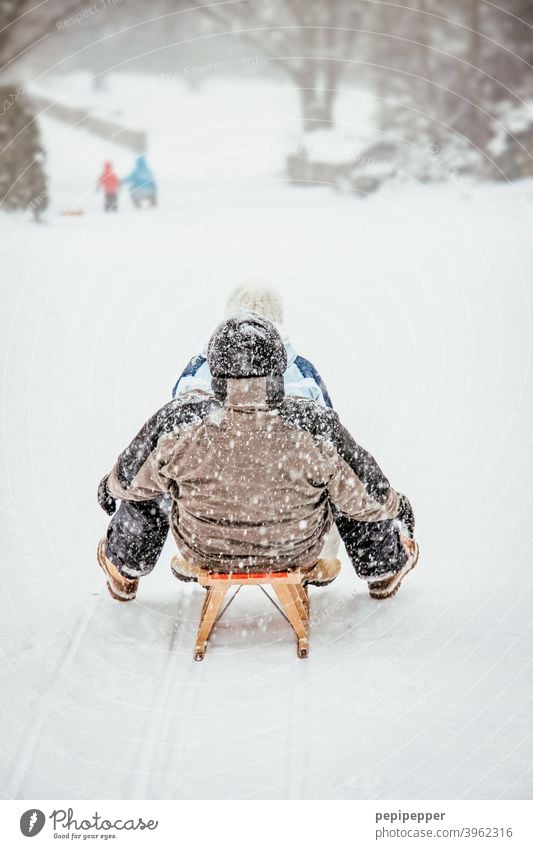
(228, 126)
(192, 134)
(415, 306)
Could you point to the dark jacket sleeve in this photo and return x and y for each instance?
(135, 476)
(358, 489)
(138, 473)
(355, 495)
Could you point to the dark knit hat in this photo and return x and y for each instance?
(246, 345)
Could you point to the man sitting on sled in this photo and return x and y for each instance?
(256, 480)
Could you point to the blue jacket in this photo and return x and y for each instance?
(301, 378)
(141, 179)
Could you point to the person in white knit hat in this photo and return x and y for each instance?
(257, 297)
(301, 377)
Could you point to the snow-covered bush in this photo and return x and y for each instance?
(511, 147)
(361, 166)
(336, 157)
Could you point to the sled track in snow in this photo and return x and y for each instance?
(45, 706)
(153, 737)
(175, 753)
(296, 734)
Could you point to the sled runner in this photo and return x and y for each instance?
(292, 596)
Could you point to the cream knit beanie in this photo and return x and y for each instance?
(257, 297)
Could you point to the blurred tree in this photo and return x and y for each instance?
(22, 177)
(25, 24)
(309, 39)
(447, 65)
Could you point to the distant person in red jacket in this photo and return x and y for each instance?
(110, 183)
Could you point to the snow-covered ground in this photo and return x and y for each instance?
(414, 304)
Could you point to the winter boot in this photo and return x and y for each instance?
(323, 572)
(390, 586)
(120, 588)
(183, 571)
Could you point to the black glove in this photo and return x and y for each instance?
(105, 499)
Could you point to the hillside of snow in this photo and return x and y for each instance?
(415, 306)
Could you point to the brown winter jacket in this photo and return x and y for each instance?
(253, 480)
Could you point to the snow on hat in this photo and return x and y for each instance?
(246, 345)
(257, 297)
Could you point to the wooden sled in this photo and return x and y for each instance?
(291, 594)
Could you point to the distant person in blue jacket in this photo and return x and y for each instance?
(142, 183)
(301, 377)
